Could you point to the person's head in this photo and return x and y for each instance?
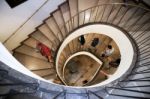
(85, 81)
(118, 60)
(82, 35)
(109, 47)
(103, 55)
(39, 43)
(96, 39)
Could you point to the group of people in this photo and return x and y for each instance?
(105, 55)
(108, 51)
(93, 44)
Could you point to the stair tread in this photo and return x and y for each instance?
(48, 33)
(73, 6)
(60, 22)
(41, 38)
(29, 51)
(30, 42)
(66, 15)
(50, 77)
(32, 63)
(45, 72)
(54, 28)
(84, 4)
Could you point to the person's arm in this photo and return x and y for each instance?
(105, 74)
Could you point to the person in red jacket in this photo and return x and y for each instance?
(44, 50)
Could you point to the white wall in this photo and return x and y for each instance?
(9, 60)
(12, 19)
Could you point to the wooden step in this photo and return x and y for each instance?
(143, 39)
(107, 12)
(60, 22)
(60, 68)
(49, 76)
(27, 50)
(64, 54)
(31, 42)
(44, 72)
(103, 1)
(116, 1)
(120, 15)
(115, 11)
(57, 81)
(109, 1)
(94, 14)
(127, 17)
(65, 9)
(42, 38)
(67, 50)
(139, 28)
(84, 17)
(48, 33)
(71, 46)
(101, 12)
(62, 60)
(32, 63)
(76, 45)
(85, 4)
(51, 22)
(140, 19)
(73, 4)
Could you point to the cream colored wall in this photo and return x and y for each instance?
(12, 19)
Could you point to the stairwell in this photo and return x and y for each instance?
(69, 17)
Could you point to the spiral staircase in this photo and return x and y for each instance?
(133, 20)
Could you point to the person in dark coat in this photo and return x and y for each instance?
(94, 43)
(115, 63)
(82, 41)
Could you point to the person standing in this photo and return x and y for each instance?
(108, 51)
(94, 43)
(45, 51)
(82, 41)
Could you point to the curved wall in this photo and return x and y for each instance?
(124, 44)
(87, 54)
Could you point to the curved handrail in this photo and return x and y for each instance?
(83, 53)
